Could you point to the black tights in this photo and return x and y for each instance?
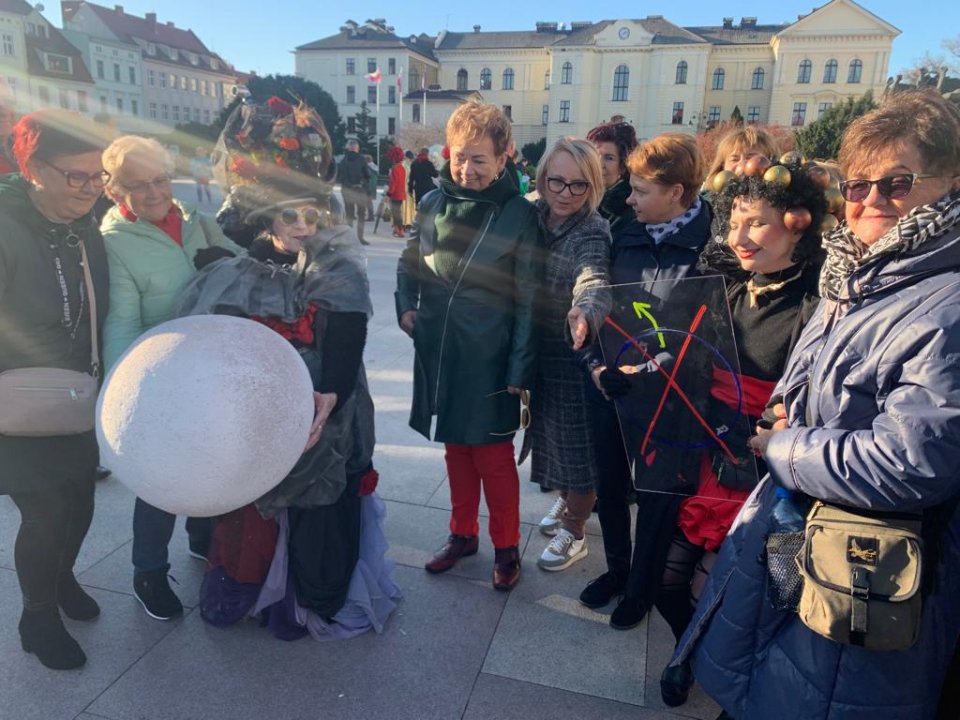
(684, 577)
(52, 528)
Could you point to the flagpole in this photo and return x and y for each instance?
(400, 91)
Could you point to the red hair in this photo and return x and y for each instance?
(395, 154)
(52, 133)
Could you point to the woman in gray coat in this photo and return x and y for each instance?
(869, 420)
(574, 302)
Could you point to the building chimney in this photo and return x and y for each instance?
(728, 23)
(170, 23)
(151, 22)
(118, 9)
(546, 27)
(748, 22)
(476, 28)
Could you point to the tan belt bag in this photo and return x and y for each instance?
(862, 577)
(43, 401)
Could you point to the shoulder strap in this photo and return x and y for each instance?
(92, 296)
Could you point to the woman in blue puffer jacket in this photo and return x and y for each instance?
(870, 419)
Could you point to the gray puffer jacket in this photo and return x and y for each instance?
(872, 392)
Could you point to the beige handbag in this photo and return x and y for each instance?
(862, 577)
(44, 401)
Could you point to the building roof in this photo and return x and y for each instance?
(17, 7)
(55, 43)
(737, 35)
(365, 37)
(663, 31)
(131, 28)
(460, 95)
(510, 39)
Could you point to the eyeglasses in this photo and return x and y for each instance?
(290, 216)
(160, 183)
(576, 188)
(892, 187)
(81, 179)
(525, 416)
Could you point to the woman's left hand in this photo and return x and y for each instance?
(759, 442)
(323, 404)
(579, 327)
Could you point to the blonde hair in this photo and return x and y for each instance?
(670, 159)
(133, 147)
(586, 157)
(473, 121)
(743, 138)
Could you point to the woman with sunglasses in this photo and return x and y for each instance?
(574, 301)
(154, 244)
(869, 420)
(45, 321)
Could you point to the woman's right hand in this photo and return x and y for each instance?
(407, 321)
(759, 442)
(323, 404)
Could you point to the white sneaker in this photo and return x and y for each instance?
(551, 521)
(563, 551)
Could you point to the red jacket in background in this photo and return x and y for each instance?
(397, 189)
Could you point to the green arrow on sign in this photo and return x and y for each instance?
(643, 311)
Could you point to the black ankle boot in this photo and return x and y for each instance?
(74, 600)
(42, 632)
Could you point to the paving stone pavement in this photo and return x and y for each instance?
(455, 648)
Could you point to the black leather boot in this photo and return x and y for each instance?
(42, 632)
(74, 600)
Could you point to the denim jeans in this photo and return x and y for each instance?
(152, 530)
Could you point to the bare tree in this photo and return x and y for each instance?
(413, 136)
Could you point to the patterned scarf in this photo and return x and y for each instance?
(662, 231)
(846, 253)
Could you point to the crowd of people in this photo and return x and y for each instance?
(734, 362)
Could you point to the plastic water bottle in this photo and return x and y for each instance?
(789, 512)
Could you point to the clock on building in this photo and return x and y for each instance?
(624, 33)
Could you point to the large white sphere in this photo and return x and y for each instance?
(204, 414)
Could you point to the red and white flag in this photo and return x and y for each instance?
(376, 76)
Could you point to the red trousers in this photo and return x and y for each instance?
(493, 467)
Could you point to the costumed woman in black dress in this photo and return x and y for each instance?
(307, 557)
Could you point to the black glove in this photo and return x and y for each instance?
(207, 255)
(615, 384)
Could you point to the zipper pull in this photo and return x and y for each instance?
(73, 394)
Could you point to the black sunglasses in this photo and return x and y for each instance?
(290, 216)
(892, 187)
(81, 179)
(576, 188)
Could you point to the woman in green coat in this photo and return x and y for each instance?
(465, 292)
(154, 246)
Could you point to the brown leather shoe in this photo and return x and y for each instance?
(456, 547)
(506, 568)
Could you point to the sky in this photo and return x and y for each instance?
(260, 35)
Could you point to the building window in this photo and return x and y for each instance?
(173, 81)
(546, 80)
(392, 95)
(183, 82)
(753, 114)
(486, 79)
(416, 112)
(43, 95)
(830, 71)
(461, 79)
(163, 80)
(621, 81)
(566, 73)
(81, 101)
(757, 83)
(351, 124)
(351, 66)
(8, 48)
(351, 94)
(64, 99)
(196, 115)
(855, 71)
(153, 111)
(176, 113)
(119, 106)
(414, 80)
(194, 85)
(545, 115)
(372, 125)
(371, 65)
(822, 108)
(206, 116)
(564, 111)
(677, 117)
(103, 103)
(116, 72)
(508, 111)
(100, 69)
(804, 71)
(391, 66)
(134, 108)
(151, 77)
(799, 114)
(371, 93)
(713, 115)
(681, 78)
(508, 79)
(164, 112)
(719, 75)
(391, 125)
(203, 87)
